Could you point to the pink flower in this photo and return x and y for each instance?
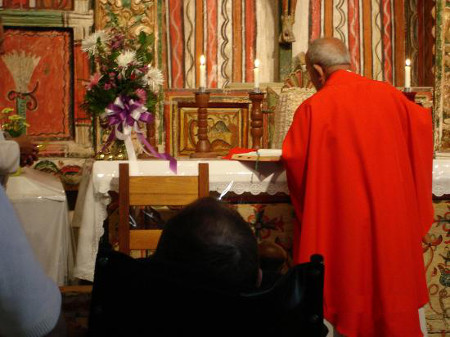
(93, 81)
(107, 86)
(117, 44)
(142, 95)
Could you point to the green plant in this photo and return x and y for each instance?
(14, 124)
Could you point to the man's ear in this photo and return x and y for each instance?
(320, 72)
(260, 277)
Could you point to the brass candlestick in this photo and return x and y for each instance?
(203, 146)
(257, 118)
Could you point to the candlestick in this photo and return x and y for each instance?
(256, 75)
(203, 146)
(257, 123)
(408, 74)
(202, 72)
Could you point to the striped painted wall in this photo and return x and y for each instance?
(420, 40)
(372, 29)
(215, 28)
(231, 33)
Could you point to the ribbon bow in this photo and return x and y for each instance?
(123, 116)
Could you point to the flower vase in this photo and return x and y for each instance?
(118, 150)
(17, 133)
(115, 150)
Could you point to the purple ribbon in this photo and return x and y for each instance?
(123, 116)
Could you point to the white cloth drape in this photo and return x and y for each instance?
(41, 206)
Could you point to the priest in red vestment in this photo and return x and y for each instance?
(358, 158)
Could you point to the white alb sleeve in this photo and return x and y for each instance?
(9, 156)
(30, 302)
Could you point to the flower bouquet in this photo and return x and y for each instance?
(14, 125)
(124, 89)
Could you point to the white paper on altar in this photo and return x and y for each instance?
(41, 206)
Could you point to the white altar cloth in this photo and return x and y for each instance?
(102, 176)
(40, 203)
(225, 175)
(441, 177)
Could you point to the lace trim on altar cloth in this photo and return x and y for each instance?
(441, 187)
(441, 177)
(86, 271)
(253, 188)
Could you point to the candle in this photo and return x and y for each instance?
(408, 74)
(256, 75)
(202, 72)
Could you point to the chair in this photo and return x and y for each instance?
(155, 191)
(147, 297)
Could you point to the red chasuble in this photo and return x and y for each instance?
(358, 158)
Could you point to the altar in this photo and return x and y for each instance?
(100, 177)
(226, 177)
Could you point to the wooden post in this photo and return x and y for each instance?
(124, 208)
(203, 146)
(257, 119)
(151, 134)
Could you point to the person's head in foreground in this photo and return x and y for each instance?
(325, 56)
(214, 240)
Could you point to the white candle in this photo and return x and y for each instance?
(256, 74)
(408, 74)
(202, 71)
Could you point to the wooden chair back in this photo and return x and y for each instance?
(154, 191)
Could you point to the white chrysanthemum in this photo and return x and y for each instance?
(89, 44)
(125, 58)
(154, 78)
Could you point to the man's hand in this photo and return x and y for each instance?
(28, 151)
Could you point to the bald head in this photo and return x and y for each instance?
(328, 52)
(324, 56)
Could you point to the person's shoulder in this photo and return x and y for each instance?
(307, 105)
(382, 85)
(318, 99)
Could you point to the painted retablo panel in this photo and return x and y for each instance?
(226, 129)
(36, 80)
(38, 4)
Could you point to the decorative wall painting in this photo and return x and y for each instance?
(226, 129)
(38, 4)
(36, 79)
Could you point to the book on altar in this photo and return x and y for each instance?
(259, 155)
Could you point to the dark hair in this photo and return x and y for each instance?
(210, 238)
